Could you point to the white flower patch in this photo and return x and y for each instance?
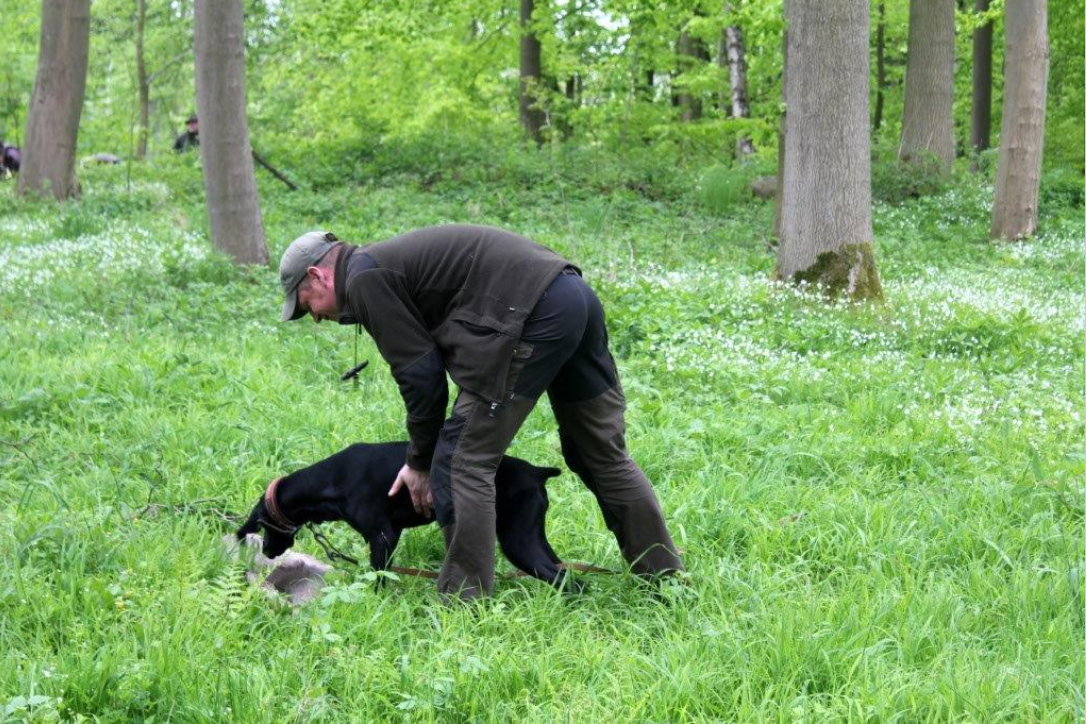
(934, 295)
(14, 229)
(1057, 246)
(121, 249)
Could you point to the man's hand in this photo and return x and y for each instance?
(418, 484)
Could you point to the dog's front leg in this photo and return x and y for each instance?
(382, 544)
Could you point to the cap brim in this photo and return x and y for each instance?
(291, 310)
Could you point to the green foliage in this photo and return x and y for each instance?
(881, 507)
(722, 187)
(1064, 127)
(894, 181)
(1062, 188)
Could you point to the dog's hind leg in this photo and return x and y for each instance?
(524, 541)
(524, 553)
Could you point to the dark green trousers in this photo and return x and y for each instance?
(563, 351)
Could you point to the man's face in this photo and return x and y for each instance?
(194, 127)
(317, 294)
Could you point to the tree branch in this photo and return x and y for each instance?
(166, 66)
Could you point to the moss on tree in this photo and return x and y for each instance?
(848, 270)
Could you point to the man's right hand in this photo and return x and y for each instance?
(417, 483)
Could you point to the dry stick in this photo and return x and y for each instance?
(274, 171)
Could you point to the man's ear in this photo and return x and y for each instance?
(253, 524)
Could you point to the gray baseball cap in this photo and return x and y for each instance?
(305, 251)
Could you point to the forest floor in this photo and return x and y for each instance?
(881, 506)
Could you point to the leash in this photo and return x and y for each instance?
(334, 554)
(352, 374)
(281, 523)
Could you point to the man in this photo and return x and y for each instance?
(9, 159)
(507, 319)
(190, 139)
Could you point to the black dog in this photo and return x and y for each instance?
(353, 485)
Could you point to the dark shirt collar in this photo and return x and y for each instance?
(343, 309)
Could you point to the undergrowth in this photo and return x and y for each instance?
(881, 507)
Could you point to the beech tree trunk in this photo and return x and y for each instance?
(880, 64)
(1022, 135)
(690, 51)
(531, 74)
(778, 201)
(737, 76)
(928, 124)
(724, 101)
(826, 213)
(141, 80)
(52, 121)
(981, 125)
(232, 203)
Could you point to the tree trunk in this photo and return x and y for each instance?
(826, 215)
(531, 73)
(928, 125)
(737, 75)
(225, 153)
(724, 102)
(880, 64)
(141, 79)
(1021, 137)
(981, 125)
(689, 52)
(52, 121)
(778, 201)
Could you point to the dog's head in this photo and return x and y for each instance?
(276, 539)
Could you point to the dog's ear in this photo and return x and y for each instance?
(253, 524)
(550, 472)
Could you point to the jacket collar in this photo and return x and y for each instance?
(343, 309)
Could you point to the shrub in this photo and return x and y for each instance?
(1062, 188)
(893, 181)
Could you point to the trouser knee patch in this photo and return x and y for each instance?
(441, 470)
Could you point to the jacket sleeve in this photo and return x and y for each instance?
(379, 300)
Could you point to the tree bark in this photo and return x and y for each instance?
(650, 85)
(531, 73)
(880, 64)
(141, 80)
(232, 203)
(826, 215)
(928, 124)
(724, 101)
(52, 121)
(737, 76)
(690, 51)
(778, 201)
(1021, 137)
(981, 125)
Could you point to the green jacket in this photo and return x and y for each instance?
(444, 299)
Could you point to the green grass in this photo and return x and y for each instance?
(881, 507)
